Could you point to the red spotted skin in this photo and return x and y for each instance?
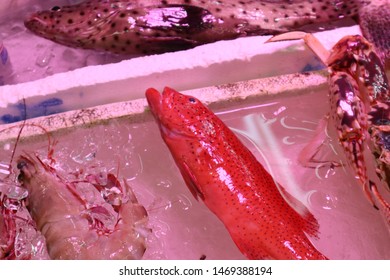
(218, 168)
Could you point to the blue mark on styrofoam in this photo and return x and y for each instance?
(314, 65)
(46, 107)
(3, 55)
(8, 118)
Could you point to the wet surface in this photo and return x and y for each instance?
(183, 228)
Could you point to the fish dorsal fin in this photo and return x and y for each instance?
(191, 181)
(308, 222)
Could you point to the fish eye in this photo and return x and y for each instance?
(192, 100)
(56, 8)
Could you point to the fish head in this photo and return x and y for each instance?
(180, 115)
(74, 25)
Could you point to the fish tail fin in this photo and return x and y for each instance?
(374, 21)
(309, 223)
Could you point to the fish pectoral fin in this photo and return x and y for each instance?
(169, 44)
(191, 181)
(309, 223)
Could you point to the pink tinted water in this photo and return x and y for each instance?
(276, 131)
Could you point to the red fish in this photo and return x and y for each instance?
(220, 170)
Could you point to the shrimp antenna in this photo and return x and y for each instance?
(18, 137)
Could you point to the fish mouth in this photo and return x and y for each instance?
(154, 99)
(157, 100)
(170, 124)
(46, 29)
(35, 23)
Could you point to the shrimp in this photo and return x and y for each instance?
(76, 228)
(68, 223)
(7, 231)
(19, 237)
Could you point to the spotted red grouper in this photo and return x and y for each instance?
(157, 26)
(221, 171)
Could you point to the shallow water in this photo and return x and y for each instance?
(276, 131)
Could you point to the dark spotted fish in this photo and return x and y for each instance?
(221, 171)
(157, 26)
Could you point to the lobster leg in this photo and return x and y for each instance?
(308, 155)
